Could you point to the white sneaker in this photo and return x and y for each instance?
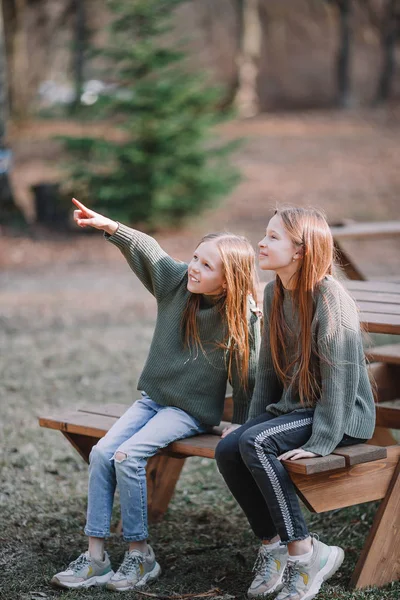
(84, 572)
(269, 568)
(303, 581)
(137, 570)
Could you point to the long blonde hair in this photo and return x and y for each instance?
(238, 262)
(310, 233)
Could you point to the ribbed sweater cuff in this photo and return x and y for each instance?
(240, 412)
(320, 445)
(122, 237)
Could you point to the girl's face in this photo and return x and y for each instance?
(277, 251)
(205, 271)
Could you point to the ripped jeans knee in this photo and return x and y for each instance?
(120, 456)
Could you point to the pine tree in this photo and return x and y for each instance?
(169, 164)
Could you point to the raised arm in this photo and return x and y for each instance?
(158, 271)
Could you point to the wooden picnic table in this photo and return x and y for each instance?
(378, 301)
(356, 231)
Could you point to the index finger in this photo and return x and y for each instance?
(81, 206)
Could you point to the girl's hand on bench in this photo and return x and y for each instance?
(229, 430)
(84, 217)
(296, 454)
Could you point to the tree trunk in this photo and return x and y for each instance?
(388, 40)
(8, 209)
(247, 100)
(79, 51)
(20, 77)
(343, 55)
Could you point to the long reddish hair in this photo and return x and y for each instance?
(310, 234)
(238, 262)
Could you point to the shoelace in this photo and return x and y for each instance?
(263, 564)
(130, 564)
(79, 562)
(290, 576)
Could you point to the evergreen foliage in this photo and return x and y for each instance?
(169, 163)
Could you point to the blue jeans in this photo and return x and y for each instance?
(141, 431)
(247, 460)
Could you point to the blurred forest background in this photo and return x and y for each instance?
(265, 57)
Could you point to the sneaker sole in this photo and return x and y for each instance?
(148, 578)
(333, 564)
(99, 580)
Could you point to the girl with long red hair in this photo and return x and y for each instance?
(312, 394)
(207, 332)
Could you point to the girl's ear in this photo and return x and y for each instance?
(298, 254)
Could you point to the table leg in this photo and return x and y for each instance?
(82, 443)
(162, 475)
(347, 264)
(379, 562)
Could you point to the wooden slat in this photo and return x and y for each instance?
(348, 487)
(372, 286)
(374, 296)
(388, 414)
(377, 229)
(360, 453)
(310, 466)
(377, 307)
(200, 445)
(114, 409)
(106, 410)
(390, 353)
(373, 315)
(378, 323)
(78, 422)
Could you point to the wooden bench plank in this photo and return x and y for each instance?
(311, 466)
(373, 229)
(380, 323)
(78, 422)
(372, 286)
(360, 453)
(113, 409)
(374, 296)
(389, 353)
(96, 425)
(377, 307)
(347, 487)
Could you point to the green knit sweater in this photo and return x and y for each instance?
(175, 375)
(346, 405)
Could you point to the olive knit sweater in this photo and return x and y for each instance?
(175, 375)
(346, 405)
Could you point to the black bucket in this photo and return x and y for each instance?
(50, 209)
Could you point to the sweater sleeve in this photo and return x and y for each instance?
(268, 388)
(341, 354)
(242, 397)
(158, 271)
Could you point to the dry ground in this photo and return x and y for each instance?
(75, 327)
